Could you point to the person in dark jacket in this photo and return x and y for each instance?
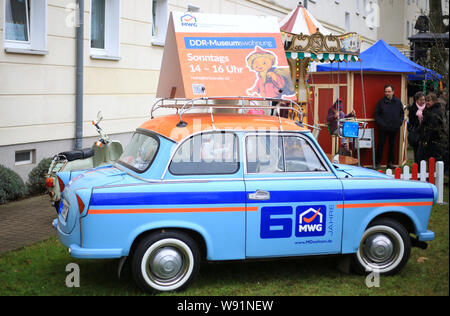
(389, 116)
(335, 114)
(415, 119)
(431, 129)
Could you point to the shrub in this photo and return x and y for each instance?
(11, 185)
(36, 178)
(2, 194)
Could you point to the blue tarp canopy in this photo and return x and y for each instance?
(381, 57)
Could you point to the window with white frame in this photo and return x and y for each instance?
(160, 19)
(105, 29)
(347, 22)
(25, 26)
(25, 157)
(193, 8)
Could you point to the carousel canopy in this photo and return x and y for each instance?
(381, 57)
(301, 21)
(304, 37)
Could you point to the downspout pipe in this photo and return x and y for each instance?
(79, 77)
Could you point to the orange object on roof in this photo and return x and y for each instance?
(198, 122)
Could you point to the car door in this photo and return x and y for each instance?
(204, 191)
(294, 193)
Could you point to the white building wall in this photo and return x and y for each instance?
(398, 20)
(332, 15)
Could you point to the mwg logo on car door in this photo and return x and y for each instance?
(310, 221)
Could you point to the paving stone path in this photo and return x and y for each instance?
(26, 222)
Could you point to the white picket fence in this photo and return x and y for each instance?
(435, 175)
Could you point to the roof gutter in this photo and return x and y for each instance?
(79, 77)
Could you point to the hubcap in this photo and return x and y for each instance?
(166, 263)
(379, 248)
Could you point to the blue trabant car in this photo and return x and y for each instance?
(233, 187)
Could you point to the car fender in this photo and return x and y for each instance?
(356, 225)
(185, 225)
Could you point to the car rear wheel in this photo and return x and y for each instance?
(385, 248)
(165, 261)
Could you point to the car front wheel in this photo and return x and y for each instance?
(165, 261)
(385, 248)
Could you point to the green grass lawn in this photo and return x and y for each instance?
(40, 270)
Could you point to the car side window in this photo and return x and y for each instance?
(207, 153)
(264, 154)
(300, 156)
(276, 154)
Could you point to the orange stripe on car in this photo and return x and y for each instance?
(363, 205)
(174, 210)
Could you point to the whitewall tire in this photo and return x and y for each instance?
(165, 261)
(385, 248)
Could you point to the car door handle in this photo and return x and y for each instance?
(259, 195)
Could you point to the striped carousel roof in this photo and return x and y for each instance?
(301, 21)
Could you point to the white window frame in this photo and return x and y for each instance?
(112, 33)
(37, 31)
(161, 8)
(193, 8)
(32, 154)
(347, 22)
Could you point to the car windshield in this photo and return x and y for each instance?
(140, 152)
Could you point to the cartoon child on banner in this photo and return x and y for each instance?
(271, 81)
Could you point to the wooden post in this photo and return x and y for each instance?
(431, 167)
(402, 150)
(398, 173)
(415, 171)
(423, 171)
(440, 181)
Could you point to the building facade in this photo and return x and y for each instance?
(401, 16)
(123, 46)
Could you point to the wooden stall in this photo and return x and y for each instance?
(359, 92)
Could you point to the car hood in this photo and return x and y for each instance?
(345, 171)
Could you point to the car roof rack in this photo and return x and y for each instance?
(246, 103)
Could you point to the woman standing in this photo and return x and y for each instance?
(432, 126)
(415, 119)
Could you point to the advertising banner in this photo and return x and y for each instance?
(213, 55)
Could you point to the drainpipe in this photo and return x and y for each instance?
(79, 77)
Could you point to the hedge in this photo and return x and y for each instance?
(36, 178)
(12, 186)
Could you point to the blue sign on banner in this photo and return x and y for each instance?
(229, 42)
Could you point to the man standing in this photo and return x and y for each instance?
(389, 116)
